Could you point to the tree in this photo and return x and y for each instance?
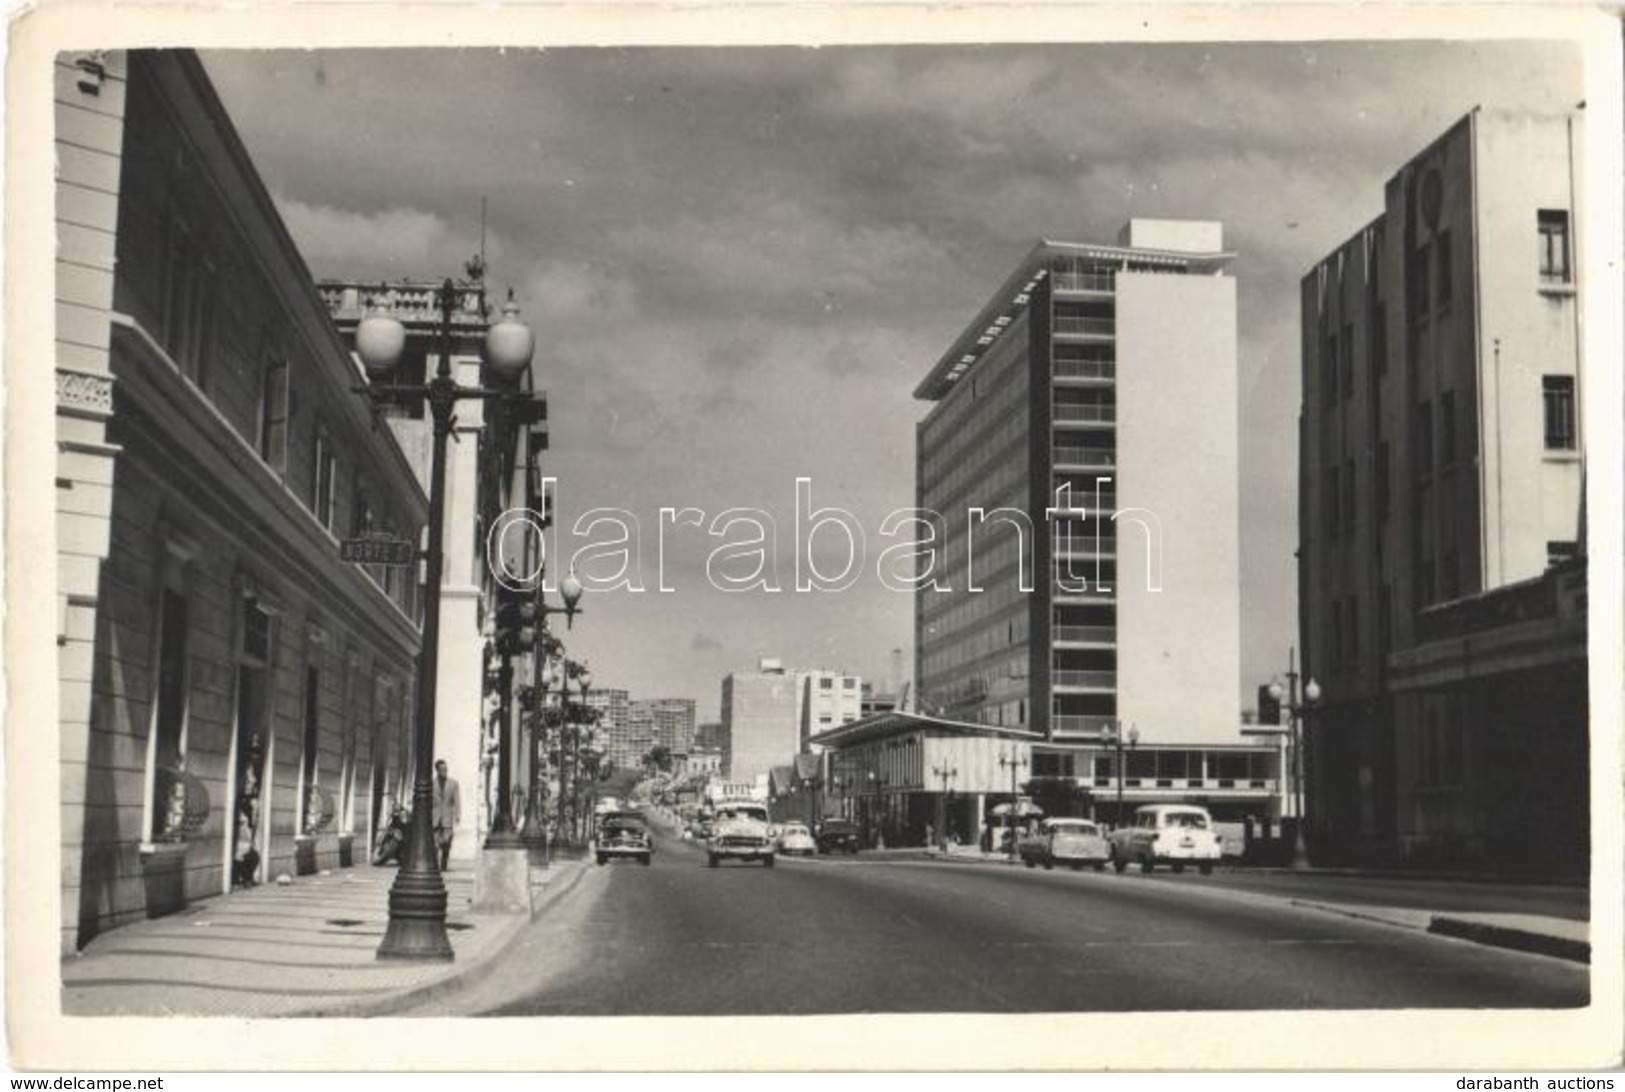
(658, 758)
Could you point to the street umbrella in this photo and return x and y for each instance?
(1023, 809)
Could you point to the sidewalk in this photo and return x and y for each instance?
(1539, 933)
(305, 949)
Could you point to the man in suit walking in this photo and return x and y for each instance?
(448, 810)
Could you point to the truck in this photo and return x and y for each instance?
(740, 831)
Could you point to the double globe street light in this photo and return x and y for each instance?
(417, 899)
(1298, 711)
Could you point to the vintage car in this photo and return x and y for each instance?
(740, 832)
(837, 835)
(623, 834)
(1070, 842)
(1170, 834)
(795, 838)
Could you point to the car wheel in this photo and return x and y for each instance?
(767, 862)
(1100, 866)
(1119, 864)
(1077, 868)
(647, 860)
(711, 859)
(1178, 867)
(1049, 866)
(1146, 864)
(602, 859)
(1206, 868)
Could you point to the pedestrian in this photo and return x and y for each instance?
(448, 809)
(930, 835)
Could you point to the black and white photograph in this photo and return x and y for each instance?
(818, 522)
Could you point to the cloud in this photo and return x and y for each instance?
(704, 642)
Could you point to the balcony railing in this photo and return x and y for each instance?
(1087, 635)
(1085, 680)
(1074, 725)
(1098, 326)
(1085, 456)
(1084, 282)
(1085, 369)
(1099, 414)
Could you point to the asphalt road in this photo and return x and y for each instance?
(886, 935)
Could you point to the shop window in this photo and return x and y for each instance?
(168, 748)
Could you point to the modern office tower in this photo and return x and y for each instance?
(1441, 573)
(1106, 374)
(760, 726)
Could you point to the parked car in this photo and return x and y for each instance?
(623, 834)
(837, 835)
(1070, 842)
(795, 838)
(1171, 834)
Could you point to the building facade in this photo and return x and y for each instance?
(1441, 461)
(614, 731)
(761, 727)
(1049, 444)
(236, 701)
(827, 699)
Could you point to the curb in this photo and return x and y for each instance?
(428, 991)
(1512, 879)
(1506, 936)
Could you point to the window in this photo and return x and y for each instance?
(1331, 502)
(1329, 397)
(169, 716)
(1337, 634)
(1379, 341)
(1348, 495)
(324, 492)
(848, 684)
(1346, 365)
(1553, 226)
(1447, 427)
(1559, 552)
(1424, 438)
(1352, 618)
(1385, 619)
(274, 415)
(1416, 283)
(826, 683)
(1383, 495)
(189, 286)
(1442, 242)
(1559, 394)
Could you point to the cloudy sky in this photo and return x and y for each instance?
(741, 261)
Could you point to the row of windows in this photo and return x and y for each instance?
(1001, 447)
(993, 373)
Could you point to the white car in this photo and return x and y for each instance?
(1172, 834)
(795, 838)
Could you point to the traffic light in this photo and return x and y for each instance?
(515, 623)
(1269, 706)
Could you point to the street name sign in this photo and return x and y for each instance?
(377, 551)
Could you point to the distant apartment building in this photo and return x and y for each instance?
(1109, 370)
(615, 729)
(1441, 574)
(652, 722)
(760, 726)
(827, 699)
(872, 701)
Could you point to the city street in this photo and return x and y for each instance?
(888, 934)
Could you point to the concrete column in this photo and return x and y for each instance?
(459, 697)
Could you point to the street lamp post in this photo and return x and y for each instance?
(1115, 736)
(547, 678)
(1015, 762)
(1299, 712)
(945, 774)
(417, 899)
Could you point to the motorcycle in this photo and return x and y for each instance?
(393, 839)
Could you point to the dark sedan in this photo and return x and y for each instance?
(837, 836)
